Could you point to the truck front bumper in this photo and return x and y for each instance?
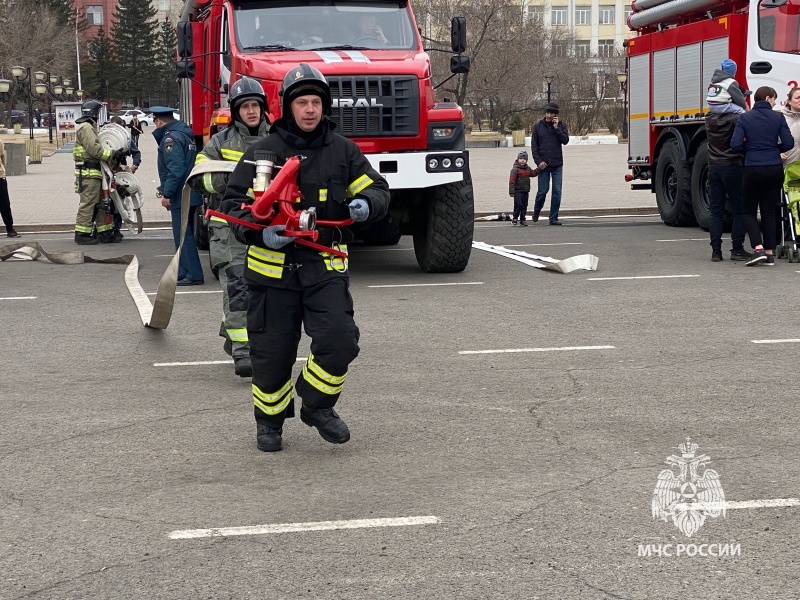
(417, 170)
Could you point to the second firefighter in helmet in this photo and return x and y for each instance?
(248, 106)
(290, 286)
(92, 224)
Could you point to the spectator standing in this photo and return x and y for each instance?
(548, 135)
(5, 202)
(762, 135)
(791, 112)
(724, 165)
(136, 130)
(519, 187)
(176, 155)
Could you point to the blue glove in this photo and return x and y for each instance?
(272, 239)
(359, 210)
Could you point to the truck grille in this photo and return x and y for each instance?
(375, 106)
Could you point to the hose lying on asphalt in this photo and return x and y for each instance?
(156, 315)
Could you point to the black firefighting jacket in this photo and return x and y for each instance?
(332, 172)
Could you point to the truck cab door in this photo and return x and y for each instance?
(773, 42)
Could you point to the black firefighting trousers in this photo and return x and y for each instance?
(274, 318)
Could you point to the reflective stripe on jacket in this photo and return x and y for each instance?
(89, 151)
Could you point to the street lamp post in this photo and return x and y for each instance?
(549, 80)
(623, 86)
(21, 80)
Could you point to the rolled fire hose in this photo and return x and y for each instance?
(158, 314)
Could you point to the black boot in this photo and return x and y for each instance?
(716, 255)
(330, 426)
(269, 438)
(536, 216)
(243, 367)
(85, 239)
(107, 237)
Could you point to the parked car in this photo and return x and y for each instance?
(127, 116)
(175, 115)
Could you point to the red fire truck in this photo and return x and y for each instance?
(380, 76)
(670, 62)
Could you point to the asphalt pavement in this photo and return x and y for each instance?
(43, 199)
(510, 424)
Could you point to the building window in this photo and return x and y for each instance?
(605, 48)
(94, 15)
(607, 15)
(582, 49)
(535, 14)
(558, 50)
(583, 15)
(163, 4)
(558, 16)
(628, 11)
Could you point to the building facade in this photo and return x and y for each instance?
(100, 13)
(592, 28)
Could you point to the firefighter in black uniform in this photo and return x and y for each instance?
(290, 285)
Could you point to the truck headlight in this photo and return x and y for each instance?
(442, 132)
(433, 163)
(459, 162)
(446, 163)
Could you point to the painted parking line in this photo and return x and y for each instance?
(786, 341)
(639, 277)
(189, 534)
(705, 239)
(192, 292)
(19, 298)
(399, 285)
(512, 350)
(195, 363)
(770, 503)
(554, 244)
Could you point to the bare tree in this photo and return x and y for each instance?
(511, 57)
(33, 36)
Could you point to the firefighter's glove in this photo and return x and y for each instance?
(359, 210)
(273, 239)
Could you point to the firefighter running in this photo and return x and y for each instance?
(249, 124)
(94, 224)
(289, 285)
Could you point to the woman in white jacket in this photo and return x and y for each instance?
(791, 112)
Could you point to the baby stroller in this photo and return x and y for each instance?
(789, 215)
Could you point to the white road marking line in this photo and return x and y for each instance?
(188, 534)
(705, 239)
(536, 349)
(787, 341)
(770, 503)
(367, 250)
(425, 284)
(19, 298)
(556, 244)
(640, 277)
(196, 363)
(194, 292)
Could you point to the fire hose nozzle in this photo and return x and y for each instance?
(307, 219)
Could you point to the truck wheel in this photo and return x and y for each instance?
(701, 199)
(382, 233)
(674, 187)
(443, 233)
(200, 231)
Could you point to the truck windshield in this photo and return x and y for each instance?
(779, 25)
(323, 25)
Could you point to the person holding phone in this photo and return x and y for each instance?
(547, 137)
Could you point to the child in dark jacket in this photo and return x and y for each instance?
(519, 187)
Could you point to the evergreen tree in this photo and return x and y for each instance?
(167, 90)
(98, 73)
(135, 35)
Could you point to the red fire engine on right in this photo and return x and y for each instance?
(670, 63)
